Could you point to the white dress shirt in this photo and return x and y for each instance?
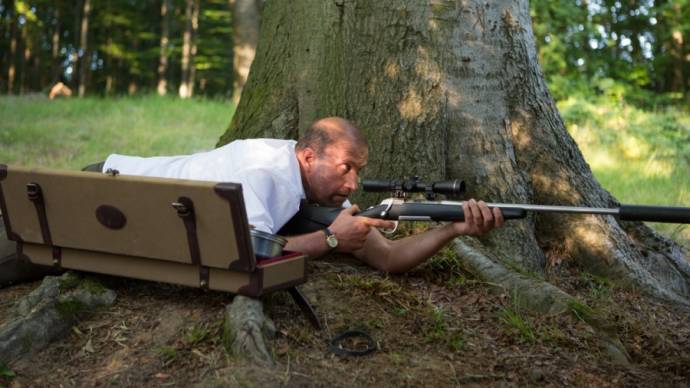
(267, 169)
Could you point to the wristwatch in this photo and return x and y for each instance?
(331, 240)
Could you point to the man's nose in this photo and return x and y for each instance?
(351, 181)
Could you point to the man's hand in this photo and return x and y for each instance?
(352, 231)
(479, 219)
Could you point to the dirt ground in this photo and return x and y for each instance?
(436, 326)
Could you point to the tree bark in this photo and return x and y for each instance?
(245, 28)
(55, 49)
(451, 89)
(192, 53)
(163, 53)
(11, 68)
(84, 68)
(186, 50)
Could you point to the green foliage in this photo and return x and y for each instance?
(512, 315)
(70, 308)
(516, 321)
(640, 154)
(581, 311)
(638, 43)
(197, 334)
(5, 371)
(124, 41)
(166, 353)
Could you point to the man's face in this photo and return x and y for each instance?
(334, 174)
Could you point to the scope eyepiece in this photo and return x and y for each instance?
(452, 188)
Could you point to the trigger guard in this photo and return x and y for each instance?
(390, 231)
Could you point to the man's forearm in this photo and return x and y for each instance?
(404, 254)
(312, 244)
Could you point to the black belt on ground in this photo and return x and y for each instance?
(336, 346)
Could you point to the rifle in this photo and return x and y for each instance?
(398, 208)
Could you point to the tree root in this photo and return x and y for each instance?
(246, 327)
(534, 293)
(48, 313)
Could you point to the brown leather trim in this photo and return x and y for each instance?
(232, 192)
(255, 286)
(3, 205)
(20, 251)
(188, 216)
(35, 194)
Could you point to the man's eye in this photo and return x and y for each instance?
(345, 168)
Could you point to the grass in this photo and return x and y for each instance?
(71, 133)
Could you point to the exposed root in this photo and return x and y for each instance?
(246, 328)
(48, 313)
(532, 292)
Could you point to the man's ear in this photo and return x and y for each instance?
(307, 157)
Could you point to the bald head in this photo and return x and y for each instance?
(331, 131)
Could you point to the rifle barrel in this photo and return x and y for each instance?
(671, 214)
(548, 208)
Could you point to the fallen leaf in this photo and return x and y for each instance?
(89, 346)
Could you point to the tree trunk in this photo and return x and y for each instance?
(11, 69)
(451, 89)
(84, 68)
(25, 58)
(192, 53)
(55, 41)
(163, 54)
(245, 28)
(186, 50)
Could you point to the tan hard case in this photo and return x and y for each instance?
(193, 233)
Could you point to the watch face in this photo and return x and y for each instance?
(332, 241)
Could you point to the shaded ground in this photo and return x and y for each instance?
(434, 327)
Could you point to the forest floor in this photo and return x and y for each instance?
(435, 326)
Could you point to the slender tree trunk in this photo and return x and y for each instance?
(11, 68)
(55, 52)
(192, 53)
(186, 50)
(25, 58)
(245, 27)
(84, 69)
(451, 89)
(163, 54)
(110, 68)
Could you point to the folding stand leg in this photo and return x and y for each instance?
(306, 308)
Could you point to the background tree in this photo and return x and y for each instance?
(163, 58)
(85, 52)
(245, 20)
(453, 90)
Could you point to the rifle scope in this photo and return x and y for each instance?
(454, 187)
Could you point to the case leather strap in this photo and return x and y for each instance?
(185, 210)
(35, 194)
